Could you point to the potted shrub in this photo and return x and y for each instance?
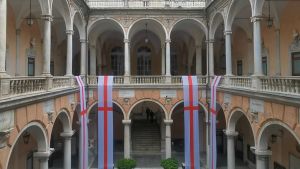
(170, 163)
(126, 164)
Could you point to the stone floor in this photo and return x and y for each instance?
(149, 161)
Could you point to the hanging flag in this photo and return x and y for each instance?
(191, 122)
(105, 123)
(83, 147)
(213, 117)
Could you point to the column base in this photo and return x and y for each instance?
(47, 74)
(4, 75)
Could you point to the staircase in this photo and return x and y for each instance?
(145, 137)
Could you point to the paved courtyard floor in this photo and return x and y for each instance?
(150, 161)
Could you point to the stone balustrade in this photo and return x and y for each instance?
(288, 85)
(32, 85)
(146, 3)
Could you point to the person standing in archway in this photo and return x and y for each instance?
(148, 113)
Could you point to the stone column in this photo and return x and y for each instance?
(127, 124)
(168, 124)
(198, 60)
(47, 45)
(230, 149)
(69, 63)
(262, 158)
(3, 19)
(211, 57)
(126, 3)
(163, 60)
(168, 57)
(127, 57)
(93, 60)
(228, 53)
(18, 39)
(277, 58)
(43, 158)
(83, 43)
(257, 45)
(67, 148)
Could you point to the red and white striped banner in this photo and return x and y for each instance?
(191, 122)
(83, 150)
(213, 117)
(105, 123)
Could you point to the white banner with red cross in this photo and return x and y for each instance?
(105, 123)
(83, 150)
(191, 122)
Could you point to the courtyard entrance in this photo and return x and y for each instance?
(147, 134)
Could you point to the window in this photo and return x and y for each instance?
(31, 66)
(117, 61)
(239, 67)
(265, 65)
(144, 61)
(296, 64)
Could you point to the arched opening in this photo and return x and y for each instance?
(177, 136)
(57, 141)
(118, 134)
(188, 48)
(30, 140)
(24, 38)
(217, 34)
(106, 50)
(282, 141)
(147, 133)
(238, 21)
(244, 156)
(147, 42)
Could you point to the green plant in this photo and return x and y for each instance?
(126, 164)
(170, 163)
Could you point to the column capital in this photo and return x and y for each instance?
(47, 17)
(67, 134)
(126, 41)
(43, 155)
(210, 41)
(83, 41)
(126, 122)
(168, 40)
(262, 154)
(256, 18)
(227, 32)
(230, 133)
(168, 122)
(69, 32)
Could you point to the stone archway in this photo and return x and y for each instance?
(240, 139)
(177, 136)
(30, 148)
(118, 132)
(277, 146)
(61, 141)
(147, 133)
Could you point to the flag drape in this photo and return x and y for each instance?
(105, 122)
(83, 154)
(191, 122)
(213, 117)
